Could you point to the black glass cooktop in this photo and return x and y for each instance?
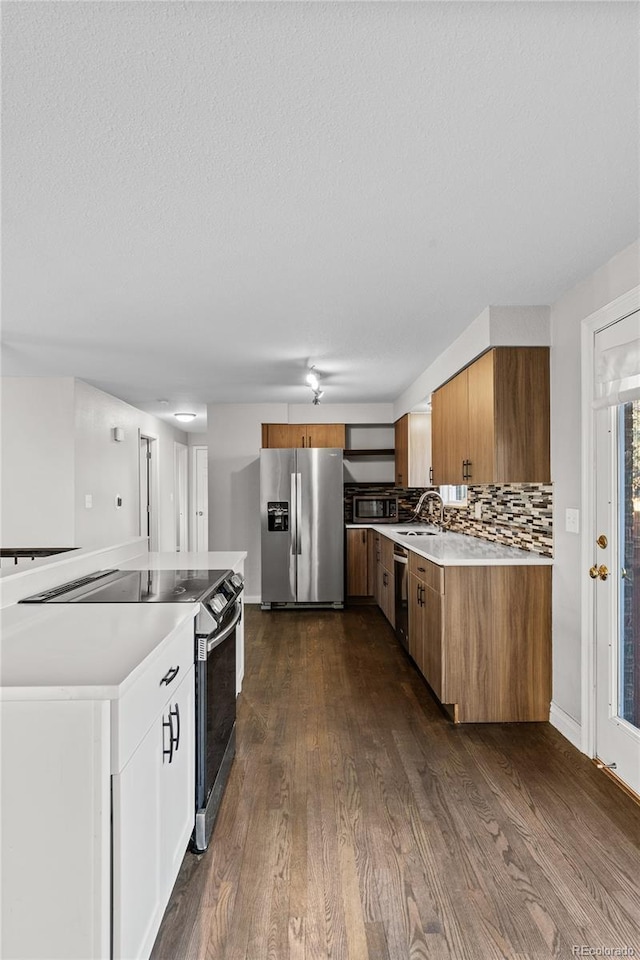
(134, 586)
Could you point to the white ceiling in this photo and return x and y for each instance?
(200, 198)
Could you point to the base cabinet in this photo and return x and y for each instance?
(481, 637)
(357, 555)
(386, 580)
(153, 808)
(97, 809)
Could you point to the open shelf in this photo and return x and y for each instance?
(366, 452)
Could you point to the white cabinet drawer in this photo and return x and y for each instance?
(136, 710)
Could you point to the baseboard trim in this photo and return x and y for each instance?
(566, 725)
(257, 599)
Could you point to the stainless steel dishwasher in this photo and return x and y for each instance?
(401, 576)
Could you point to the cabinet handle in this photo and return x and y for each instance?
(170, 675)
(430, 476)
(466, 469)
(302, 438)
(169, 752)
(175, 738)
(422, 569)
(422, 593)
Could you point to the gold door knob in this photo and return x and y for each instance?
(593, 573)
(602, 541)
(603, 572)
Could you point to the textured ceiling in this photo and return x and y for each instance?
(200, 199)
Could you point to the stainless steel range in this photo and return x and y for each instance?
(219, 594)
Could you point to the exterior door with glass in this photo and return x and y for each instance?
(616, 567)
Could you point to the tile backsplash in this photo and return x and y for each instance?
(515, 514)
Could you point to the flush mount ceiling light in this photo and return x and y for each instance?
(314, 382)
(184, 417)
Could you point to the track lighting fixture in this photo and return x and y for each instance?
(314, 382)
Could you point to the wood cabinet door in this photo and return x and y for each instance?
(284, 435)
(402, 451)
(357, 563)
(376, 568)
(414, 597)
(387, 595)
(138, 902)
(178, 784)
(371, 563)
(326, 435)
(522, 414)
(450, 430)
(482, 424)
(432, 640)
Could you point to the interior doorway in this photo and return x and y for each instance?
(148, 483)
(181, 501)
(200, 499)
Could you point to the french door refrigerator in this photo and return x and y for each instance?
(302, 519)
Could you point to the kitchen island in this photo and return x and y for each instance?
(97, 803)
(474, 616)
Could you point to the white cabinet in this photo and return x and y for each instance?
(98, 804)
(153, 805)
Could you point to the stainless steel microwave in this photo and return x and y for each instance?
(380, 509)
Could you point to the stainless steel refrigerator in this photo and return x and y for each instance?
(302, 517)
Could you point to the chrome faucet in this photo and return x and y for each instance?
(417, 510)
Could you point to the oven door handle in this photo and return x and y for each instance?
(216, 639)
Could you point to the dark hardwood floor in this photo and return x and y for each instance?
(360, 823)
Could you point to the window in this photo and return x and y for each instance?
(454, 496)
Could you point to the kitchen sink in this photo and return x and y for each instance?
(418, 533)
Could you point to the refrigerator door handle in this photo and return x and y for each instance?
(298, 513)
(293, 523)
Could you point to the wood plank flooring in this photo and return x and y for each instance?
(360, 824)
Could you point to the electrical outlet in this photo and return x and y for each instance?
(572, 521)
(477, 511)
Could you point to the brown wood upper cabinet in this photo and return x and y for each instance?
(412, 450)
(490, 423)
(303, 435)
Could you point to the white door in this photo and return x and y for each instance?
(147, 474)
(200, 539)
(616, 553)
(181, 496)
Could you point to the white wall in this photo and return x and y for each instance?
(608, 282)
(57, 446)
(495, 327)
(106, 469)
(36, 450)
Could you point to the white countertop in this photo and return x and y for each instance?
(214, 560)
(92, 651)
(81, 651)
(456, 549)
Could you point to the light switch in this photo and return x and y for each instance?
(572, 521)
(88, 501)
